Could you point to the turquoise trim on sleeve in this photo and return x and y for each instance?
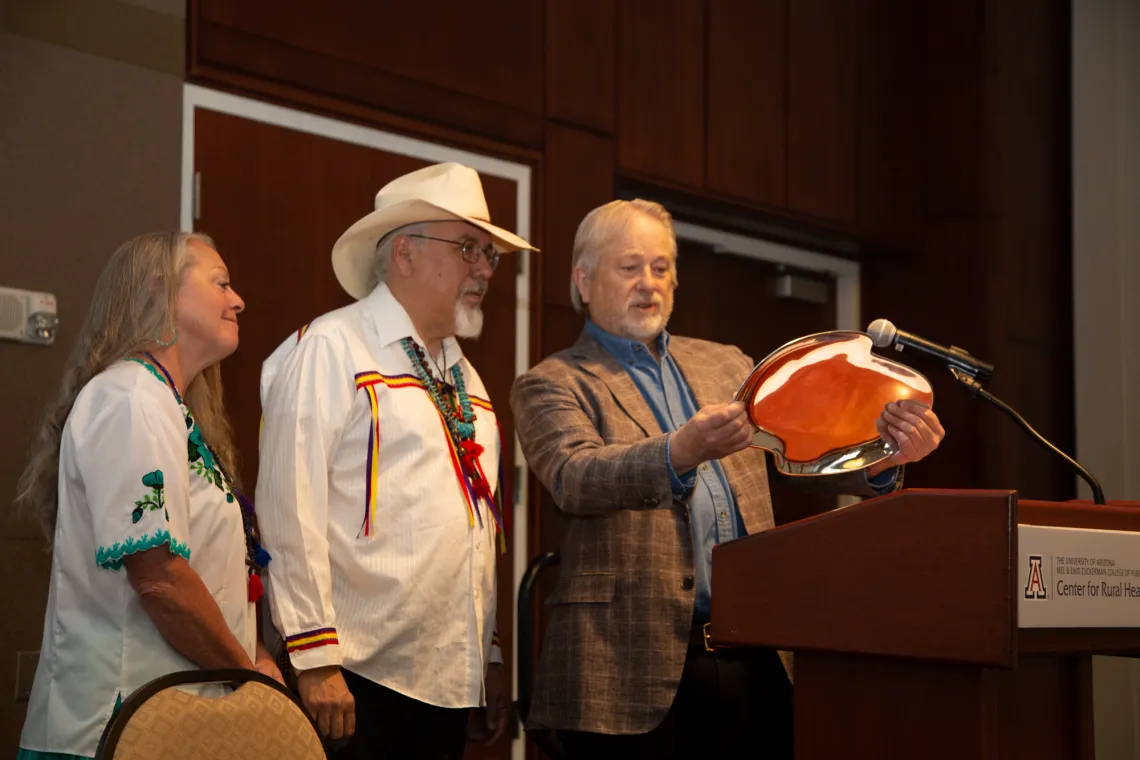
(112, 558)
(31, 754)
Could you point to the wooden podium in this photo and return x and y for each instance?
(907, 616)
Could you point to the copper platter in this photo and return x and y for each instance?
(813, 402)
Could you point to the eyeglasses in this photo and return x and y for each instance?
(469, 250)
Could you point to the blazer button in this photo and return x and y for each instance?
(650, 501)
(687, 582)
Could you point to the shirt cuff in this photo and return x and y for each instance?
(314, 649)
(884, 482)
(681, 484)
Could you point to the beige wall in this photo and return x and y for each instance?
(1106, 290)
(90, 150)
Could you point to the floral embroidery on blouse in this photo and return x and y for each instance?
(201, 462)
(202, 459)
(154, 500)
(198, 452)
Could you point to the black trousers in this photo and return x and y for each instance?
(729, 704)
(391, 725)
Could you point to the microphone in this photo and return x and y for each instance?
(970, 372)
(885, 335)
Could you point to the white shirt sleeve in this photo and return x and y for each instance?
(272, 365)
(131, 451)
(306, 408)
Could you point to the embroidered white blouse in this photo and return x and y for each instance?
(131, 477)
(382, 561)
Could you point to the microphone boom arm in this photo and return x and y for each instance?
(976, 389)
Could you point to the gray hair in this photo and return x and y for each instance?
(383, 260)
(600, 227)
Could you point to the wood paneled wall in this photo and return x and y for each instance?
(928, 139)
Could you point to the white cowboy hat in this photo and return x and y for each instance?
(434, 193)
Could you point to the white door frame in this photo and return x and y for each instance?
(848, 313)
(195, 97)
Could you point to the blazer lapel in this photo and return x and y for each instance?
(597, 361)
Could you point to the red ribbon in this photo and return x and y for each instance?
(469, 452)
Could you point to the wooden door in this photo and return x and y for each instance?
(275, 200)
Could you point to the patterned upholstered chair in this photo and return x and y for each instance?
(259, 719)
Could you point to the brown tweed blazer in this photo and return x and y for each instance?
(615, 645)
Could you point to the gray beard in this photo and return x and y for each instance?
(468, 320)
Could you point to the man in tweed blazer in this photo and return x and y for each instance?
(632, 432)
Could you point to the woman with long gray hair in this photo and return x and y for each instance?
(155, 560)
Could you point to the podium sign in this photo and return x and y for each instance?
(1078, 578)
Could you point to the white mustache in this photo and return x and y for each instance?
(476, 289)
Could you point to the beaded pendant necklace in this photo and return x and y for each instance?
(454, 407)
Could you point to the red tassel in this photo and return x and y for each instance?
(469, 452)
(481, 487)
(256, 589)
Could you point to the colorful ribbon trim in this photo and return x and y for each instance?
(373, 467)
(367, 381)
(465, 485)
(311, 639)
(392, 381)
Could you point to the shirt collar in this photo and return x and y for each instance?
(393, 323)
(626, 349)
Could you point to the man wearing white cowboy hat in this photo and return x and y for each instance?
(379, 472)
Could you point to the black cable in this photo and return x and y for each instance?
(977, 389)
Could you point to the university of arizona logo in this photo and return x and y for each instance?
(1035, 587)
